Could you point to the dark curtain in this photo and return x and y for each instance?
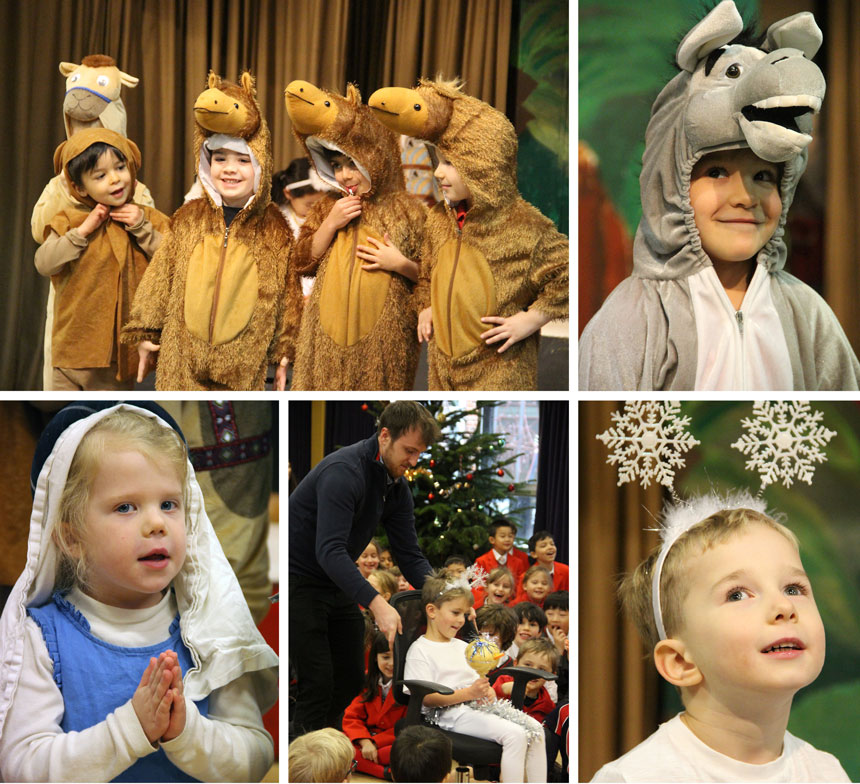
(552, 505)
(346, 423)
(299, 440)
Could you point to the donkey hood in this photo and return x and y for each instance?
(323, 120)
(476, 138)
(726, 96)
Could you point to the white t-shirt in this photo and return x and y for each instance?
(674, 753)
(440, 662)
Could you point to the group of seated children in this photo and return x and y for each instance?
(529, 634)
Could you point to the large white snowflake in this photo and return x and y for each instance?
(649, 442)
(784, 441)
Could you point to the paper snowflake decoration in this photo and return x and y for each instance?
(784, 441)
(649, 442)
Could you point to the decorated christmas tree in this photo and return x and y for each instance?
(460, 484)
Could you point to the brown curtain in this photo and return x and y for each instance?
(617, 683)
(170, 45)
(842, 213)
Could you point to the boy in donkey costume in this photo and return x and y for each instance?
(697, 314)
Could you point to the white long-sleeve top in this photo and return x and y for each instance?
(229, 745)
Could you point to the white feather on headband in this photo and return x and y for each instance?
(680, 517)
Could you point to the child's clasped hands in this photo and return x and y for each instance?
(159, 701)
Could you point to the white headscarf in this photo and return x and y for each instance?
(215, 621)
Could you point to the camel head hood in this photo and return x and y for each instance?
(93, 94)
(230, 115)
(476, 138)
(87, 137)
(728, 95)
(323, 120)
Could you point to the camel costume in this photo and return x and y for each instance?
(92, 100)
(507, 257)
(216, 297)
(359, 327)
(99, 274)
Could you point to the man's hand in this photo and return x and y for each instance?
(146, 352)
(129, 214)
(386, 617)
(98, 215)
(281, 375)
(177, 697)
(151, 701)
(513, 328)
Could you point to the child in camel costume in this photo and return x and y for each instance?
(92, 100)
(358, 328)
(506, 258)
(95, 276)
(218, 300)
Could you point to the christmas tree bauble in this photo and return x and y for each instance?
(482, 654)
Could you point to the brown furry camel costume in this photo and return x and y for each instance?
(219, 299)
(507, 257)
(359, 327)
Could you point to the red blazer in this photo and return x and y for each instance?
(517, 562)
(539, 709)
(374, 719)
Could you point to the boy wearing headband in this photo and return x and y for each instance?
(728, 611)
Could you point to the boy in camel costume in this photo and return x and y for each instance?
(358, 327)
(218, 302)
(494, 269)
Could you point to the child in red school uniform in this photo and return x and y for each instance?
(542, 550)
(499, 588)
(369, 720)
(536, 586)
(502, 551)
(540, 654)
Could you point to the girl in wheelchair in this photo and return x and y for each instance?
(473, 708)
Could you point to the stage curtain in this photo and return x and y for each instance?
(842, 214)
(552, 510)
(617, 683)
(346, 423)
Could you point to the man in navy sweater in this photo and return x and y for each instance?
(333, 514)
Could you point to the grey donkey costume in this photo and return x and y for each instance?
(670, 325)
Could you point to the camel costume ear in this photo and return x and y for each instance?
(247, 82)
(58, 158)
(352, 94)
(214, 79)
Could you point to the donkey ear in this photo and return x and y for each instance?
(795, 32)
(715, 30)
(214, 80)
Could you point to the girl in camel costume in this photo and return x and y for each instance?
(507, 257)
(358, 328)
(219, 299)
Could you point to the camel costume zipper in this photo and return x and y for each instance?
(218, 285)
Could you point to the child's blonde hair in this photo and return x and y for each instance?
(437, 590)
(122, 429)
(387, 581)
(322, 755)
(499, 573)
(635, 588)
(532, 571)
(542, 647)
